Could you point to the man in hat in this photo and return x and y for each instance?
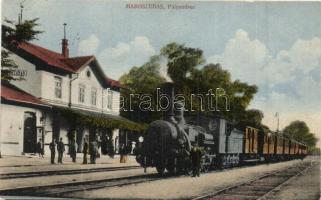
(85, 151)
(196, 155)
(61, 150)
(52, 147)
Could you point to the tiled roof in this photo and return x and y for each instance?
(12, 93)
(77, 62)
(113, 83)
(57, 60)
(50, 57)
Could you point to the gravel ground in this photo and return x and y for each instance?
(47, 180)
(35, 164)
(303, 187)
(184, 187)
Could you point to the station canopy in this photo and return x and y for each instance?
(97, 119)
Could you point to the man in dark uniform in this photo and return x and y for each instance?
(93, 151)
(52, 147)
(73, 150)
(39, 148)
(61, 149)
(196, 155)
(85, 151)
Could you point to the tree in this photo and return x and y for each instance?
(8, 67)
(20, 32)
(238, 94)
(189, 77)
(141, 81)
(300, 131)
(13, 33)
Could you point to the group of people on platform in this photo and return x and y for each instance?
(60, 149)
(89, 148)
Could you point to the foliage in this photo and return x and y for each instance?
(189, 77)
(12, 32)
(8, 67)
(181, 60)
(20, 32)
(299, 131)
(141, 80)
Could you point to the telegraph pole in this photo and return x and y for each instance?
(278, 121)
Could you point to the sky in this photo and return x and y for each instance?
(275, 45)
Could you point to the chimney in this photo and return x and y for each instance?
(65, 49)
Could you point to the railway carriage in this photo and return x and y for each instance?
(269, 146)
(286, 148)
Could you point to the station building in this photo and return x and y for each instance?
(61, 97)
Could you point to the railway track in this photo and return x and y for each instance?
(59, 190)
(64, 172)
(260, 187)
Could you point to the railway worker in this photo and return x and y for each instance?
(52, 147)
(73, 150)
(93, 148)
(196, 155)
(39, 148)
(85, 151)
(122, 153)
(61, 150)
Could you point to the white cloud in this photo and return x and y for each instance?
(286, 84)
(88, 46)
(306, 54)
(118, 59)
(244, 57)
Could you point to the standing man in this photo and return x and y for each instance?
(52, 147)
(122, 153)
(93, 151)
(61, 149)
(73, 150)
(85, 150)
(39, 148)
(196, 155)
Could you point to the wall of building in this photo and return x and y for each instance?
(32, 81)
(89, 83)
(48, 88)
(12, 128)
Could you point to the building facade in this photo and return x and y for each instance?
(60, 83)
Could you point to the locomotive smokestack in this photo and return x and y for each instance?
(168, 89)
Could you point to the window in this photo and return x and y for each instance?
(81, 97)
(109, 99)
(93, 96)
(58, 83)
(88, 73)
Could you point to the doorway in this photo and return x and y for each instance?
(29, 133)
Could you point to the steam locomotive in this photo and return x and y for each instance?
(168, 142)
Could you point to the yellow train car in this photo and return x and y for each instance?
(251, 140)
(292, 147)
(279, 145)
(286, 146)
(266, 141)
